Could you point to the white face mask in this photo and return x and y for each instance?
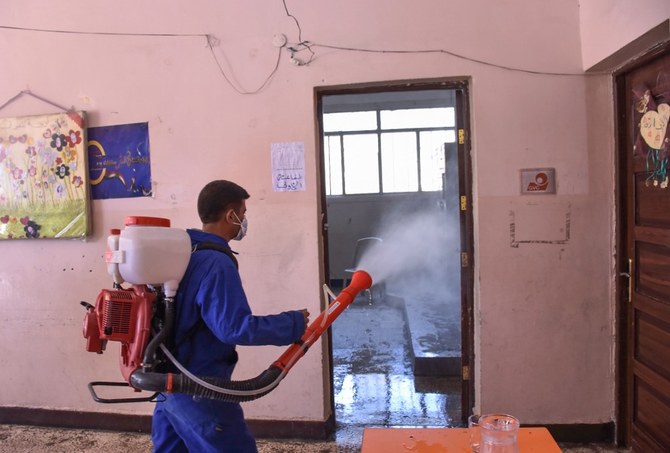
(243, 224)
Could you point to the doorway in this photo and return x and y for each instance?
(643, 112)
(395, 174)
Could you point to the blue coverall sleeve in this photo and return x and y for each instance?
(225, 309)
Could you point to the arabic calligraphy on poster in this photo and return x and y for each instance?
(119, 164)
(288, 167)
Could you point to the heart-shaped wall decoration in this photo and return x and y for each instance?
(654, 124)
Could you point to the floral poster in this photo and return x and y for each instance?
(119, 164)
(43, 177)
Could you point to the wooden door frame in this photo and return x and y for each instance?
(623, 188)
(467, 253)
(467, 230)
(623, 417)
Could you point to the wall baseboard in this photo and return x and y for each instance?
(582, 432)
(262, 429)
(52, 418)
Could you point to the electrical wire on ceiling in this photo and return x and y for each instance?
(212, 42)
(295, 49)
(447, 52)
(308, 45)
(102, 33)
(301, 45)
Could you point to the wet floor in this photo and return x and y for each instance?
(374, 380)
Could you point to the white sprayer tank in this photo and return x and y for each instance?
(153, 253)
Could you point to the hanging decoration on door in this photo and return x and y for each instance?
(652, 114)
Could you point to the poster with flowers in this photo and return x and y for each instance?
(43, 177)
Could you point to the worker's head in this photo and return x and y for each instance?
(222, 208)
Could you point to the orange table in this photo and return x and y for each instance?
(450, 440)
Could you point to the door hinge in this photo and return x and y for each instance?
(461, 136)
(464, 203)
(465, 259)
(466, 373)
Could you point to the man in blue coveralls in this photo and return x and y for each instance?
(213, 316)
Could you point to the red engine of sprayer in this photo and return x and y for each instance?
(122, 315)
(146, 252)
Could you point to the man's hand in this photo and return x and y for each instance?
(305, 313)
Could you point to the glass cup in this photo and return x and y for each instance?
(475, 432)
(499, 433)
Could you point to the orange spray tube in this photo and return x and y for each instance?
(360, 281)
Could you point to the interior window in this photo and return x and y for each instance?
(386, 150)
(360, 163)
(399, 162)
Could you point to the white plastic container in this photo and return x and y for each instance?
(153, 253)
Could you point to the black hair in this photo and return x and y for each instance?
(217, 197)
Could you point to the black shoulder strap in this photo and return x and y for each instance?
(208, 246)
(219, 247)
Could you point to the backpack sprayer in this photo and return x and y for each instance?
(152, 257)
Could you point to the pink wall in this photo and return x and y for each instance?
(606, 25)
(544, 312)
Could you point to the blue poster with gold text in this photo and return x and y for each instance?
(118, 161)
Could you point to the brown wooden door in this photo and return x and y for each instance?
(645, 220)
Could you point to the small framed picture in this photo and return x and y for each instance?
(536, 181)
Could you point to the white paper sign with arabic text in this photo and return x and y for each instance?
(288, 167)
